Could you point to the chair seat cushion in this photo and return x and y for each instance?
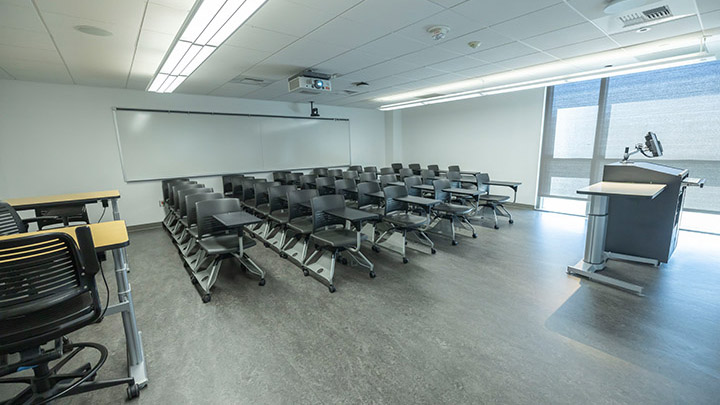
(374, 210)
(279, 216)
(193, 231)
(248, 203)
(404, 220)
(338, 238)
(494, 198)
(453, 209)
(215, 245)
(302, 225)
(262, 209)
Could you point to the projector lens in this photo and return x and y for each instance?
(318, 84)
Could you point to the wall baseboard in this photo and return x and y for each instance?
(144, 227)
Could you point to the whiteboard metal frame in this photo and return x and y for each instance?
(122, 160)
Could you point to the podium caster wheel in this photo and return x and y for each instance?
(206, 298)
(454, 243)
(496, 227)
(405, 260)
(262, 282)
(372, 274)
(133, 391)
(193, 280)
(433, 251)
(332, 289)
(511, 221)
(474, 236)
(376, 249)
(306, 273)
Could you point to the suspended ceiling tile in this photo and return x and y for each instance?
(25, 38)
(289, 18)
(566, 36)
(486, 37)
(21, 16)
(448, 3)
(9, 53)
(422, 73)
(457, 64)
(37, 72)
(392, 46)
(706, 6)
(540, 22)
(272, 71)
(490, 12)
(178, 4)
(583, 48)
(97, 12)
(234, 90)
(348, 62)
(459, 25)
(163, 19)
(527, 60)
(659, 31)
(429, 56)
(392, 15)
(504, 52)
(380, 70)
(711, 20)
(344, 33)
(260, 39)
(305, 53)
(334, 6)
(483, 70)
(4, 75)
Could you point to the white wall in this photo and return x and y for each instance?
(499, 135)
(58, 139)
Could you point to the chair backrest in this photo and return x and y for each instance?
(350, 174)
(295, 199)
(413, 181)
(427, 176)
(227, 180)
(364, 189)
(320, 171)
(415, 167)
(439, 185)
(248, 188)
(178, 189)
(367, 176)
(166, 186)
(387, 170)
(190, 204)
(344, 184)
(206, 224)
(10, 222)
(396, 167)
(482, 180)
(323, 203)
(280, 176)
(278, 196)
(405, 172)
(454, 168)
(308, 180)
(454, 177)
(182, 194)
(322, 183)
(337, 173)
(293, 178)
(356, 168)
(236, 184)
(171, 189)
(391, 204)
(387, 178)
(47, 288)
(434, 168)
(371, 169)
(261, 192)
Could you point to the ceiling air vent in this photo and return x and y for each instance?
(655, 14)
(249, 81)
(621, 16)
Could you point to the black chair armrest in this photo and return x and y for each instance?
(87, 250)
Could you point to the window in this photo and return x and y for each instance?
(589, 124)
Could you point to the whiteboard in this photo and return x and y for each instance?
(165, 144)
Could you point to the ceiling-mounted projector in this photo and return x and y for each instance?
(310, 82)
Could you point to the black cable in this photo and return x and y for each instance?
(645, 154)
(107, 289)
(103, 214)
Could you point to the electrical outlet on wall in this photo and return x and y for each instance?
(161, 203)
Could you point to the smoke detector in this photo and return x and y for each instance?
(438, 32)
(474, 44)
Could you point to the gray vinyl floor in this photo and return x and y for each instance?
(493, 320)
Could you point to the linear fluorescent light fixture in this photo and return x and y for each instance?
(210, 24)
(675, 61)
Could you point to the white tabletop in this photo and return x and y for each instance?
(610, 188)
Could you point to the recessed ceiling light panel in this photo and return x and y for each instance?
(93, 30)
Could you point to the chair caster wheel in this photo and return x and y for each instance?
(262, 282)
(454, 243)
(332, 289)
(283, 255)
(474, 236)
(405, 260)
(511, 221)
(193, 280)
(306, 273)
(375, 249)
(133, 391)
(344, 261)
(372, 274)
(267, 245)
(496, 227)
(433, 251)
(206, 298)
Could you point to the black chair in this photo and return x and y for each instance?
(261, 208)
(10, 222)
(387, 170)
(356, 168)
(217, 244)
(247, 192)
(188, 244)
(455, 213)
(454, 177)
(434, 168)
(396, 167)
(367, 176)
(280, 176)
(170, 216)
(415, 167)
(278, 217)
(347, 188)
(350, 175)
(412, 181)
(320, 171)
(405, 172)
(63, 215)
(175, 206)
(371, 204)
(171, 203)
(308, 181)
(370, 169)
(401, 221)
(428, 176)
(454, 168)
(331, 237)
(293, 179)
(299, 225)
(324, 185)
(230, 182)
(492, 201)
(387, 178)
(235, 185)
(336, 173)
(48, 290)
(180, 231)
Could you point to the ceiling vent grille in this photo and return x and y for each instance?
(646, 16)
(249, 81)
